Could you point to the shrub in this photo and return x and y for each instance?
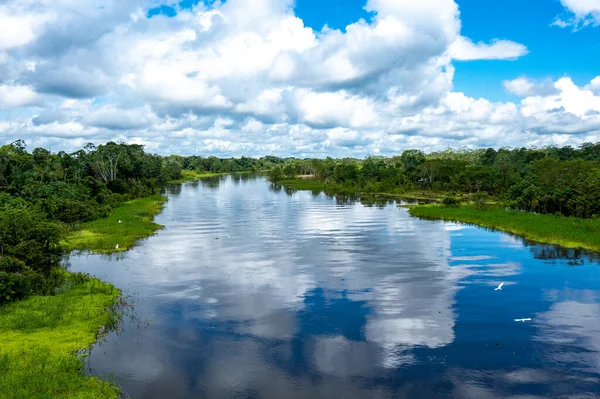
(276, 174)
(450, 201)
(479, 199)
(17, 280)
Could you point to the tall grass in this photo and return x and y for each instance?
(103, 235)
(568, 232)
(191, 175)
(335, 188)
(42, 339)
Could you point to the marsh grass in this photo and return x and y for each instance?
(103, 235)
(191, 175)
(568, 232)
(318, 185)
(43, 337)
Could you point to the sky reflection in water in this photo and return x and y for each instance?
(253, 291)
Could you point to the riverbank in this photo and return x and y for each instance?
(42, 336)
(318, 185)
(191, 175)
(123, 227)
(568, 232)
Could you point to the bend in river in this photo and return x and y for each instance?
(253, 291)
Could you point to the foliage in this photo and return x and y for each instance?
(549, 180)
(450, 201)
(480, 200)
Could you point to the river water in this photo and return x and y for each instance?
(252, 291)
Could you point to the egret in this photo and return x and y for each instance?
(522, 320)
(120, 221)
(117, 247)
(499, 288)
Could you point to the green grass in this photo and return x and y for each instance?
(565, 231)
(42, 336)
(103, 235)
(318, 185)
(191, 175)
(303, 184)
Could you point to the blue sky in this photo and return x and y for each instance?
(554, 52)
(256, 77)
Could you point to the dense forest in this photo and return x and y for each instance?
(549, 180)
(43, 195)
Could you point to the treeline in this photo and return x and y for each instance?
(551, 180)
(44, 194)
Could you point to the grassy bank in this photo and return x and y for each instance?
(42, 336)
(565, 231)
(318, 185)
(191, 175)
(103, 235)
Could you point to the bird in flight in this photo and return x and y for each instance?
(522, 320)
(499, 288)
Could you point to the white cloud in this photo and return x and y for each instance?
(14, 96)
(19, 28)
(581, 13)
(524, 87)
(211, 80)
(463, 49)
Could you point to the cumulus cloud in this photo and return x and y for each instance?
(579, 13)
(524, 87)
(14, 96)
(212, 80)
(463, 49)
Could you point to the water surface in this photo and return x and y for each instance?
(253, 291)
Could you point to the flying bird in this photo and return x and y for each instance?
(522, 320)
(499, 288)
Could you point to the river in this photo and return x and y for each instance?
(254, 291)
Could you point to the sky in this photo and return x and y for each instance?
(304, 78)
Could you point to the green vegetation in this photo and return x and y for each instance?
(305, 184)
(43, 338)
(333, 188)
(191, 175)
(568, 232)
(124, 226)
(549, 180)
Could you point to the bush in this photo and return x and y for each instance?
(480, 200)
(17, 280)
(27, 235)
(275, 174)
(450, 201)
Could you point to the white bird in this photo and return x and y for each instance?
(228, 235)
(120, 221)
(522, 320)
(117, 247)
(499, 288)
